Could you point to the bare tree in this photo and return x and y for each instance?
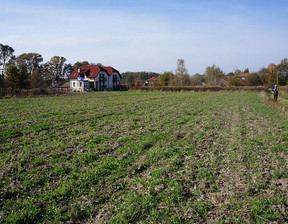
(181, 73)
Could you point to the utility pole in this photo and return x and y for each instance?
(277, 77)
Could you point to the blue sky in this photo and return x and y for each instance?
(150, 35)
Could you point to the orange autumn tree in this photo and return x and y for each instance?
(270, 76)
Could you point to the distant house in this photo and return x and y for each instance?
(94, 77)
(244, 76)
(151, 81)
(62, 86)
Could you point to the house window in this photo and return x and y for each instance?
(74, 84)
(80, 83)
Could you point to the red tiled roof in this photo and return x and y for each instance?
(56, 85)
(244, 75)
(61, 85)
(152, 79)
(91, 71)
(110, 69)
(65, 85)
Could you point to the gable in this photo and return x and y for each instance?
(111, 70)
(90, 71)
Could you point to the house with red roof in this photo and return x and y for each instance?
(94, 77)
(244, 76)
(151, 81)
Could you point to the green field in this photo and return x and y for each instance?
(128, 157)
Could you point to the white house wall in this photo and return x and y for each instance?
(98, 76)
(110, 79)
(77, 86)
(108, 82)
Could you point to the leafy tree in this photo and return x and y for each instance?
(282, 79)
(270, 76)
(237, 72)
(130, 78)
(246, 70)
(283, 71)
(55, 68)
(138, 83)
(186, 80)
(68, 69)
(273, 72)
(182, 73)
(6, 52)
(253, 80)
(283, 66)
(12, 77)
(79, 64)
(166, 78)
(235, 81)
(31, 61)
(37, 81)
(261, 73)
(197, 79)
(213, 74)
(2, 86)
(17, 77)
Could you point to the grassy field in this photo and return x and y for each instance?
(128, 157)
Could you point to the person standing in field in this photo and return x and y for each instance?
(275, 93)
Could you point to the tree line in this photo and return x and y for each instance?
(137, 78)
(213, 75)
(28, 71)
(180, 77)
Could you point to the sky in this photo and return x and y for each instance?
(150, 35)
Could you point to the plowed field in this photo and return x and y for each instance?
(128, 157)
